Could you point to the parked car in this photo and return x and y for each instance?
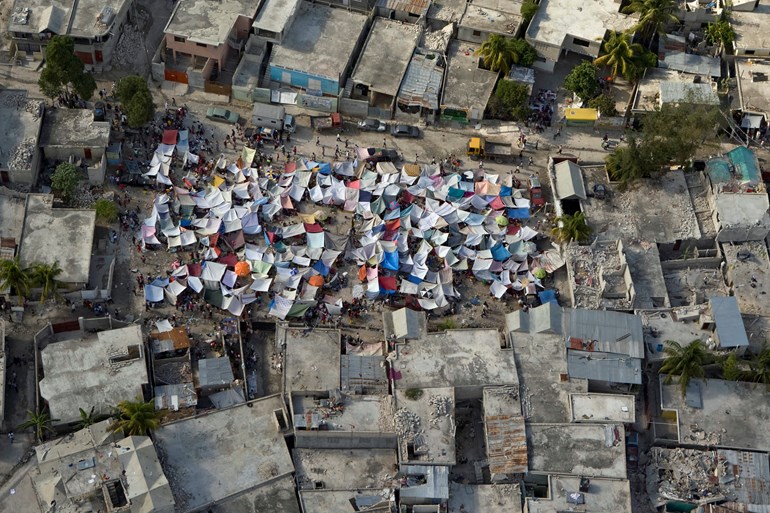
(405, 131)
(224, 115)
(100, 111)
(535, 192)
(372, 125)
(383, 155)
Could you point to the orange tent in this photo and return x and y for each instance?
(242, 268)
(316, 281)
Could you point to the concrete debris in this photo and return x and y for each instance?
(83, 196)
(21, 102)
(441, 405)
(407, 422)
(439, 39)
(130, 48)
(22, 154)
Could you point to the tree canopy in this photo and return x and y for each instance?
(528, 10)
(106, 210)
(135, 418)
(133, 93)
(570, 228)
(510, 101)
(625, 58)
(63, 70)
(65, 179)
(13, 276)
(499, 53)
(686, 362)
(583, 81)
(44, 276)
(654, 16)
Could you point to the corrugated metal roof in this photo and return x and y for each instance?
(214, 372)
(607, 367)
(677, 92)
(730, 329)
(569, 181)
(608, 331)
(363, 374)
(422, 81)
(506, 444)
(410, 6)
(693, 64)
(436, 481)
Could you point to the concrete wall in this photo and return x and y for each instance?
(742, 233)
(392, 14)
(356, 108)
(364, 6)
(344, 440)
(65, 152)
(467, 34)
(327, 85)
(96, 172)
(27, 176)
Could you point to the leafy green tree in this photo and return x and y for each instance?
(128, 86)
(499, 53)
(605, 104)
(721, 31)
(135, 418)
(106, 210)
(570, 228)
(39, 421)
(64, 180)
(89, 418)
(509, 101)
(528, 11)
(44, 276)
(13, 276)
(687, 362)
(63, 71)
(674, 132)
(654, 17)
(140, 109)
(583, 81)
(632, 162)
(624, 58)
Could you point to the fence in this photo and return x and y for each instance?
(216, 88)
(357, 108)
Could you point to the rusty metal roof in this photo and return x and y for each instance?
(410, 6)
(506, 444)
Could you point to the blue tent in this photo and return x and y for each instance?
(324, 168)
(518, 213)
(390, 260)
(547, 296)
(321, 268)
(506, 191)
(499, 253)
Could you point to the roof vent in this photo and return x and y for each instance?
(20, 16)
(107, 16)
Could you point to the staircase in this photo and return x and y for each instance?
(348, 89)
(264, 82)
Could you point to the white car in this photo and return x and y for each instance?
(372, 125)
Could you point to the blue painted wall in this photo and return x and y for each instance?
(300, 79)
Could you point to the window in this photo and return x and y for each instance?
(580, 42)
(202, 45)
(314, 84)
(179, 39)
(540, 59)
(748, 52)
(476, 33)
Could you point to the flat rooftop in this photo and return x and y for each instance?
(467, 85)
(277, 497)
(352, 413)
(320, 41)
(541, 360)
(344, 469)
(659, 210)
(753, 86)
(720, 413)
(739, 209)
(328, 501)
(751, 28)
(602, 408)
(643, 259)
(748, 270)
(216, 456)
(496, 16)
(425, 427)
(484, 498)
(681, 324)
(312, 359)
(96, 370)
(558, 19)
(20, 126)
(455, 358)
(447, 10)
(275, 14)
(75, 18)
(197, 21)
(63, 235)
(74, 128)
(12, 214)
(648, 97)
(590, 450)
(386, 55)
(602, 495)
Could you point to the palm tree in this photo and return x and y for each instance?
(497, 53)
(44, 275)
(89, 418)
(760, 367)
(135, 417)
(570, 228)
(14, 276)
(621, 56)
(654, 16)
(687, 362)
(734, 369)
(40, 421)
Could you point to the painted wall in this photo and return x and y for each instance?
(304, 80)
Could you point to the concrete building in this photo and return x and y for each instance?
(343, 469)
(485, 17)
(480, 497)
(93, 371)
(211, 459)
(383, 63)
(409, 11)
(746, 275)
(324, 501)
(751, 38)
(421, 87)
(312, 362)
(581, 450)
(714, 413)
(3, 366)
(467, 360)
(21, 121)
(468, 87)
(63, 235)
(669, 86)
(12, 205)
(753, 88)
(317, 53)
(599, 276)
(278, 496)
(427, 486)
(679, 324)
(74, 133)
(425, 425)
(95, 469)
(569, 493)
(602, 408)
(274, 19)
(201, 46)
(95, 27)
(695, 15)
(729, 331)
(573, 26)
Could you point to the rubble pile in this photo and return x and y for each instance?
(22, 154)
(440, 405)
(691, 475)
(438, 40)
(83, 196)
(130, 46)
(21, 102)
(407, 422)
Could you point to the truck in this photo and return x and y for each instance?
(268, 116)
(332, 121)
(481, 148)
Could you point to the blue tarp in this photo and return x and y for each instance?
(518, 213)
(547, 296)
(392, 214)
(321, 268)
(390, 260)
(499, 253)
(324, 168)
(364, 196)
(414, 279)
(506, 191)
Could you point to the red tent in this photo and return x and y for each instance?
(169, 136)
